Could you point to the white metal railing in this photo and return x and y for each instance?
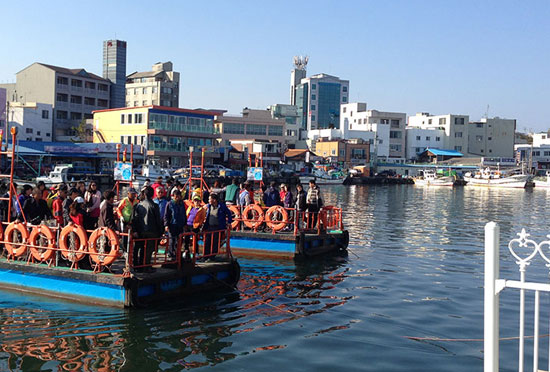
(524, 250)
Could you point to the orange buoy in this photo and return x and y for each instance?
(236, 216)
(42, 253)
(79, 251)
(97, 253)
(253, 223)
(276, 225)
(16, 249)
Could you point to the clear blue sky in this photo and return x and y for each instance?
(406, 56)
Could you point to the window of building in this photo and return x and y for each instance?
(489, 138)
(144, 103)
(103, 87)
(313, 86)
(61, 97)
(458, 134)
(102, 102)
(384, 121)
(395, 134)
(479, 138)
(62, 80)
(166, 90)
(122, 118)
(418, 150)
(45, 114)
(166, 103)
(47, 134)
(479, 125)
(275, 130)
(89, 85)
(418, 138)
(127, 103)
(395, 123)
(312, 107)
(536, 153)
(144, 91)
(29, 138)
(344, 110)
(76, 83)
(395, 147)
(547, 153)
(313, 97)
(459, 148)
(437, 139)
(429, 121)
(155, 89)
(38, 133)
(38, 139)
(76, 100)
(139, 119)
(344, 89)
(28, 130)
(89, 101)
(427, 138)
(459, 121)
(490, 150)
(312, 117)
(233, 128)
(344, 99)
(76, 115)
(256, 129)
(61, 114)
(380, 141)
(442, 121)
(136, 103)
(129, 118)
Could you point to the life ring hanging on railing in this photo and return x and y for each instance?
(99, 256)
(16, 249)
(254, 222)
(276, 225)
(77, 253)
(236, 216)
(42, 253)
(330, 217)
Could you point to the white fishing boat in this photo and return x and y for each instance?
(431, 178)
(151, 172)
(323, 178)
(542, 181)
(494, 178)
(60, 174)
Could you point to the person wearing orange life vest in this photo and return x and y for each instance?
(57, 205)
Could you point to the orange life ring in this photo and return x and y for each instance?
(80, 252)
(274, 224)
(16, 249)
(101, 257)
(253, 223)
(330, 217)
(42, 253)
(236, 216)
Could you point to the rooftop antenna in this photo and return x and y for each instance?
(300, 62)
(487, 112)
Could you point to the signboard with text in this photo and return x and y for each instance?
(255, 174)
(123, 171)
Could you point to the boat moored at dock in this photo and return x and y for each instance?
(431, 178)
(491, 178)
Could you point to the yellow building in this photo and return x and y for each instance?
(167, 133)
(349, 153)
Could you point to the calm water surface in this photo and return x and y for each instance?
(414, 269)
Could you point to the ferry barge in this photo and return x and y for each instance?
(97, 266)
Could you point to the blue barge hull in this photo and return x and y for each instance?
(112, 290)
(249, 243)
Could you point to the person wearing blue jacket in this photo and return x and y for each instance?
(175, 219)
(218, 217)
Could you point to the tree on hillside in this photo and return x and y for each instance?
(81, 132)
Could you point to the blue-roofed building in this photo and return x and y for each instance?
(435, 155)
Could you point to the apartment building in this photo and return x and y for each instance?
(72, 93)
(252, 125)
(167, 133)
(347, 153)
(419, 139)
(158, 87)
(455, 128)
(32, 120)
(492, 137)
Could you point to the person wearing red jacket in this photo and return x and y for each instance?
(57, 206)
(158, 186)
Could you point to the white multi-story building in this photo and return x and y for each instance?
(419, 139)
(33, 120)
(295, 135)
(159, 87)
(533, 157)
(455, 128)
(492, 137)
(541, 139)
(385, 131)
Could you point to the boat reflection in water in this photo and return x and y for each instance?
(47, 334)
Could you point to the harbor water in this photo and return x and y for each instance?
(407, 296)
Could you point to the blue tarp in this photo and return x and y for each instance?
(438, 152)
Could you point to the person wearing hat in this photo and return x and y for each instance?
(125, 208)
(175, 220)
(196, 216)
(57, 204)
(76, 211)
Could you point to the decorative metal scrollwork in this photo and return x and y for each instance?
(524, 249)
